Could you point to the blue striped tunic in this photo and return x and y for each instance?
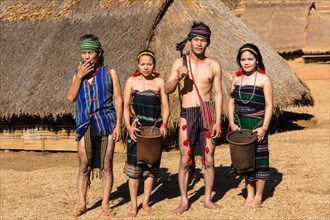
(95, 104)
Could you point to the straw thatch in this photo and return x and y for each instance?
(40, 47)
(317, 36)
(289, 27)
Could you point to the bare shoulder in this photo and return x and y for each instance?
(215, 66)
(159, 80)
(264, 78)
(131, 80)
(264, 81)
(112, 71)
(236, 80)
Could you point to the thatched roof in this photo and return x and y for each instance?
(40, 47)
(289, 27)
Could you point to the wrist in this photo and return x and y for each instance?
(264, 128)
(164, 125)
(79, 77)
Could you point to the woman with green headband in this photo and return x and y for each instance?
(250, 107)
(97, 94)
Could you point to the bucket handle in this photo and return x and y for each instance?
(153, 127)
(136, 121)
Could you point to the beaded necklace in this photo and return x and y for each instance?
(254, 89)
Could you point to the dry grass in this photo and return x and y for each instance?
(38, 185)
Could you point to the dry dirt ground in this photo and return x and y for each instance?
(39, 185)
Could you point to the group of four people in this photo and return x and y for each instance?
(100, 106)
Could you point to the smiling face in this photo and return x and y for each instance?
(146, 65)
(198, 45)
(248, 62)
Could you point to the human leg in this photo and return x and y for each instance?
(250, 191)
(209, 177)
(82, 179)
(183, 171)
(257, 200)
(108, 177)
(148, 184)
(133, 185)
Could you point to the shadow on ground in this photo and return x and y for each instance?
(167, 187)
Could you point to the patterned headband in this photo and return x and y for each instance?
(197, 31)
(90, 44)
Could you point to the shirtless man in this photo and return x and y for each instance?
(195, 139)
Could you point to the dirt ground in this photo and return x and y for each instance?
(42, 185)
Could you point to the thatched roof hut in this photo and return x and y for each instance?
(289, 27)
(40, 48)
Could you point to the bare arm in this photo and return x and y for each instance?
(177, 73)
(268, 92)
(165, 107)
(127, 96)
(83, 70)
(217, 90)
(231, 109)
(118, 103)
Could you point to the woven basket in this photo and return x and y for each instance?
(149, 145)
(242, 146)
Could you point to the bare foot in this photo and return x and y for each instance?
(78, 211)
(247, 201)
(132, 213)
(108, 212)
(181, 209)
(211, 205)
(148, 209)
(256, 203)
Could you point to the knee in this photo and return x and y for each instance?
(209, 163)
(184, 162)
(84, 169)
(107, 166)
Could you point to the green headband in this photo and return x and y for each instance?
(90, 44)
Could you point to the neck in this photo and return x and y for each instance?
(250, 73)
(197, 58)
(96, 66)
(149, 77)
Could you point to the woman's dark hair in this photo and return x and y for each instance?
(94, 38)
(256, 53)
(147, 53)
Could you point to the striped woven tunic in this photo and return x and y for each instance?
(250, 113)
(95, 104)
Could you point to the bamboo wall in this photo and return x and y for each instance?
(40, 140)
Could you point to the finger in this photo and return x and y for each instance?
(134, 137)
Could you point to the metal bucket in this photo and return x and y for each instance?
(242, 145)
(149, 145)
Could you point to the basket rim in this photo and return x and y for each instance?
(149, 137)
(241, 144)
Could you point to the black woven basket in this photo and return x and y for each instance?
(149, 145)
(242, 146)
